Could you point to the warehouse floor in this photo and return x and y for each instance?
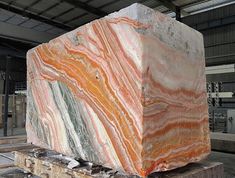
(227, 159)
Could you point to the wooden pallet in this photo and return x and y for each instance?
(7, 166)
(48, 164)
(13, 139)
(6, 160)
(13, 147)
(43, 163)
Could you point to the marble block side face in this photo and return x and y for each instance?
(126, 91)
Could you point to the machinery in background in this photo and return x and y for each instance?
(221, 98)
(16, 111)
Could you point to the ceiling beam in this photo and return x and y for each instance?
(30, 15)
(193, 3)
(23, 34)
(216, 5)
(86, 7)
(170, 5)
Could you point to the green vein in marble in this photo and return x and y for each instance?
(34, 120)
(71, 111)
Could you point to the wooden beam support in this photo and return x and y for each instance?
(46, 166)
(14, 147)
(2, 166)
(13, 139)
(48, 163)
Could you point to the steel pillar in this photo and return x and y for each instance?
(7, 74)
(178, 13)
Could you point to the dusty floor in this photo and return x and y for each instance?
(227, 159)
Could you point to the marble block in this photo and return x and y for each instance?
(126, 91)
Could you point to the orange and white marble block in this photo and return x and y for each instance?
(126, 91)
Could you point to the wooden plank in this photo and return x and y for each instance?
(6, 160)
(13, 139)
(6, 165)
(8, 155)
(43, 167)
(13, 147)
(15, 172)
(44, 163)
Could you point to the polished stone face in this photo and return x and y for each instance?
(126, 91)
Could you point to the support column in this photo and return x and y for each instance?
(178, 13)
(7, 74)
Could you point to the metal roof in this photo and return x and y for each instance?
(58, 16)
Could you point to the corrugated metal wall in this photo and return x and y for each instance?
(218, 29)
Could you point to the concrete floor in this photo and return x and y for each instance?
(227, 159)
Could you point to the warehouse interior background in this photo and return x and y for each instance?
(25, 24)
